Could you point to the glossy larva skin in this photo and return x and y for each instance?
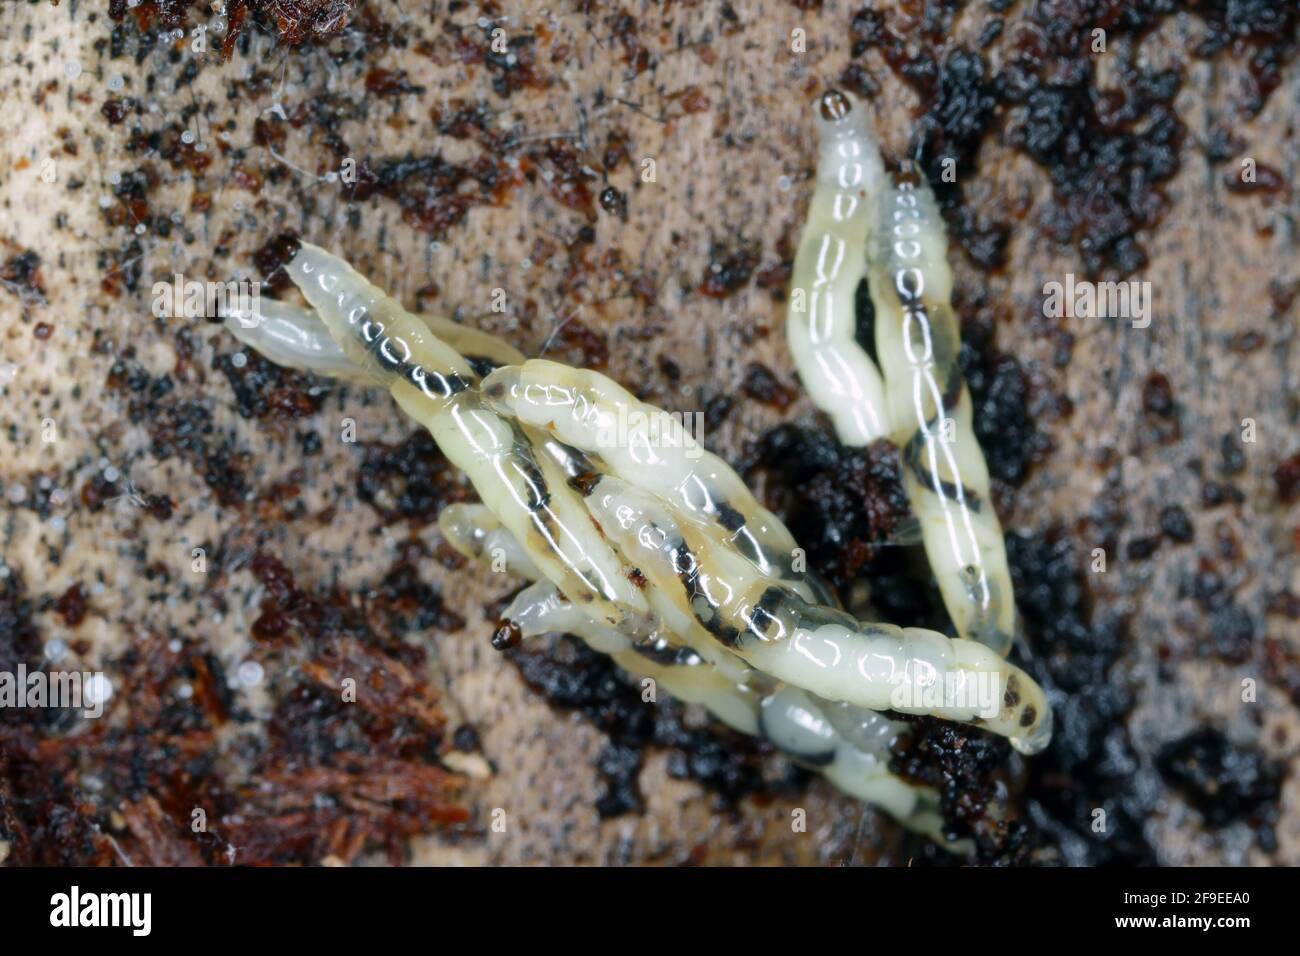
(435, 385)
(294, 337)
(944, 472)
(849, 746)
(643, 444)
(830, 262)
(892, 234)
(654, 552)
(774, 630)
(713, 602)
(475, 532)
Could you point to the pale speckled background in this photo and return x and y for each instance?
(740, 166)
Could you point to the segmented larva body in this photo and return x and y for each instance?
(769, 626)
(722, 593)
(926, 409)
(295, 338)
(829, 265)
(944, 472)
(645, 545)
(644, 445)
(475, 532)
(541, 609)
(435, 385)
(849, 746)
(292, 337)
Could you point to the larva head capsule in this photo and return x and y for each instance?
(1037, 739)
(844, 129)
(909, 175)
(835, 106)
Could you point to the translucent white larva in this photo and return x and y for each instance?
(295, 337)
(435, 385)
(944, 473)
(644, 445)
(540, 609)
(828, 266)
(894, 236)
(849, 746)
(773, 629)
(475, 532)
(647, 546)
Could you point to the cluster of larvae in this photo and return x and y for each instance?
(652, 550)
(861, 226)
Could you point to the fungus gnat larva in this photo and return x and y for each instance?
(718, 615)
(860, 225)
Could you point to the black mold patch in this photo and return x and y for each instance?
(411, 481)
(999, 390)
(1223, 781)
(183, 429)
(962, 765)
(266, 390)
(843, 506)
(1090, 762)
(571, 675)
(1106, 151)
